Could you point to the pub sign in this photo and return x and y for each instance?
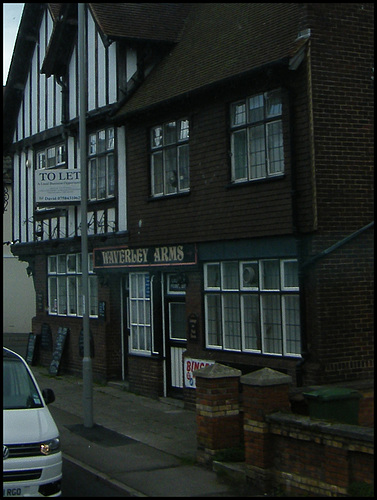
(157, 256)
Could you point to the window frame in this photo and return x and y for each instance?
(99, 152)
(59, 272)
(257, 298)
(60, 151)
(133, 323)
(161, 145)
(242, 123)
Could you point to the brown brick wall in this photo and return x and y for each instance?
(106, 363)
(212, 209)
(145, 376)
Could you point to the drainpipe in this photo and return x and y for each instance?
(301, 250)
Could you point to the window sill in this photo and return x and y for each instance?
(233, 185)
(169, 196)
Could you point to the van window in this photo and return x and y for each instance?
(19, 390)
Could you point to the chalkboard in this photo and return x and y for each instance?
(102, 310)
(31, 348)
(46, 338)
(57, 356)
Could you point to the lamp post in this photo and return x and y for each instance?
(87, 361)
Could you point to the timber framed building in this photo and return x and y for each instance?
(230, 178)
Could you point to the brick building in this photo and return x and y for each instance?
(230, 171)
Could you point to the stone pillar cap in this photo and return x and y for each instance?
(217, 371)
(266, 377)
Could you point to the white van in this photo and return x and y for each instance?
(32, 460)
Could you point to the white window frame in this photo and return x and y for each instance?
(261, 291)
(134, 315)
(246, 124)
(160, 146)
(60, 152)
(58, 272)
(95, 156)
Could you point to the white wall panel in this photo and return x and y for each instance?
(24, 193)
(131, 62)
(27, 108)
(112, 78)
(42, 78)
(34, 92)
(73, 86)
(122, 182)
(102, 98)
(16, 197)
(91, 33)
(58, 103)
(30, 197)
(50, 102)
(71, 222)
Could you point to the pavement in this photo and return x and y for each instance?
(143, 446)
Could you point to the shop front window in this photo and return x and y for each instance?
(253, 306)
(65, 286)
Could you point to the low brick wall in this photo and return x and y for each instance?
(319, 457)
(290, 452)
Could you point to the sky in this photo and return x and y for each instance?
(12, 13)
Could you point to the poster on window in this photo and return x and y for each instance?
(190, 366)
(57, 186)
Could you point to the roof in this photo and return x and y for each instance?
(220, 41)
(152, 22)
(140, 21)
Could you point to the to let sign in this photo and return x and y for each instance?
(57, 186)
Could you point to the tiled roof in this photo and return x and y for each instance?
(220, 41)
(140, 21)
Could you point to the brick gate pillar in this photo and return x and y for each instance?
(264, 391)
(217, 410)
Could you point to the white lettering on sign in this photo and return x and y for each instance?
(169, 254)
(191, 365)
(125, 256)
(142, 256)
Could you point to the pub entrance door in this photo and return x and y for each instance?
(175, 334)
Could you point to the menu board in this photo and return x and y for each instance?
(58, 352)
(46, 338)
(31, 348)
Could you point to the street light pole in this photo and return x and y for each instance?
(87, 361)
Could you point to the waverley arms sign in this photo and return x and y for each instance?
(145, 257)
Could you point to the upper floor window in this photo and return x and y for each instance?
(52, 157)
(170, 158)
(101, 164)
(257, 137)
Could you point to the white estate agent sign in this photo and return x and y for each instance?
(57, 186)
(192, 365)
